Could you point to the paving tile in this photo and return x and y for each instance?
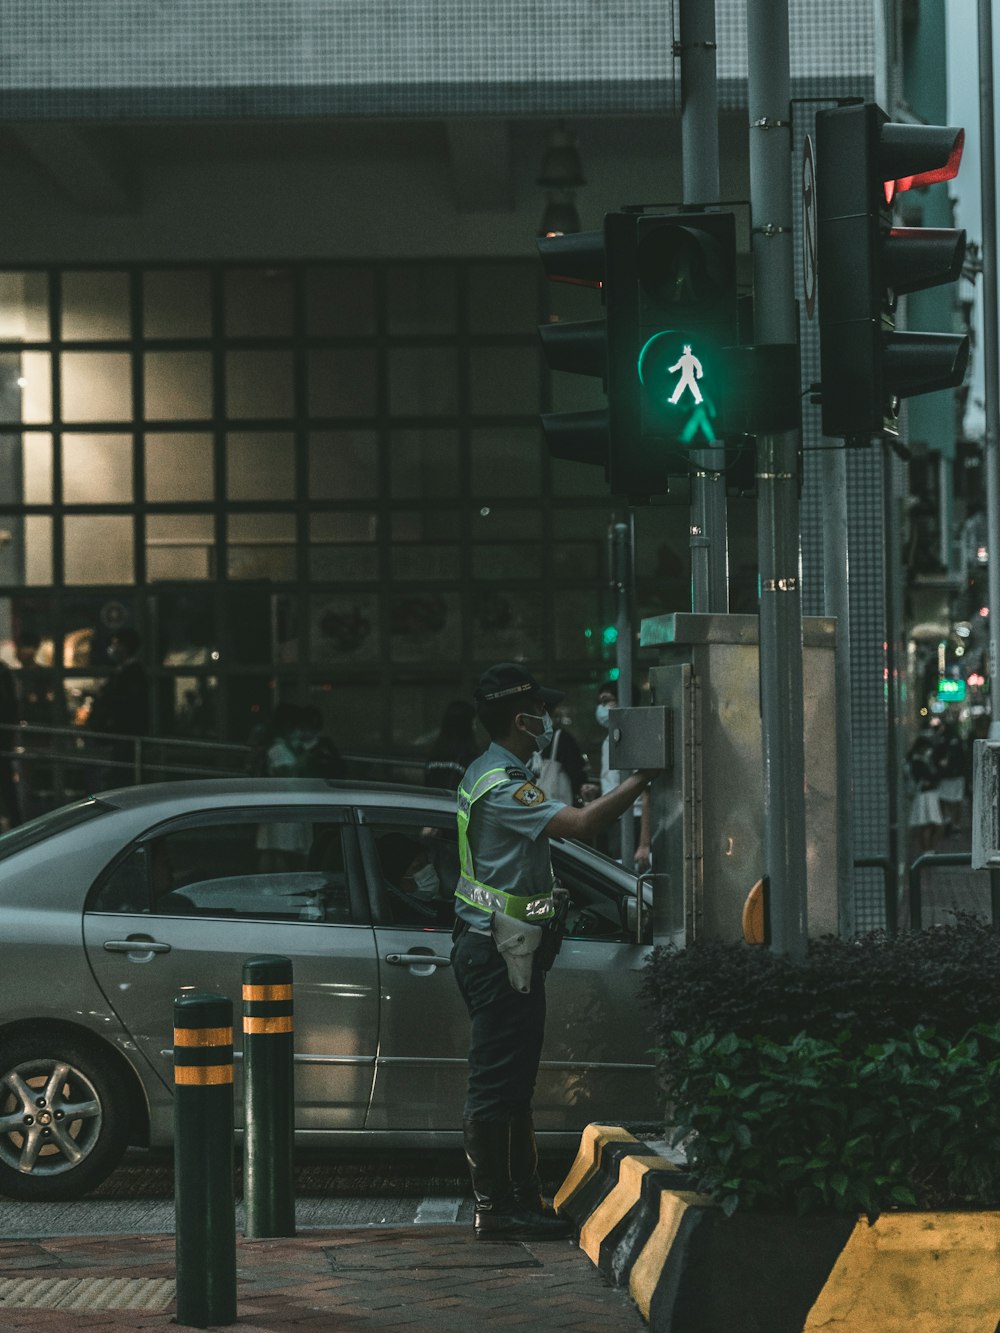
(436, 1278)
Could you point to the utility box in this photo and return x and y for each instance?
(985, 805)
(708, 807)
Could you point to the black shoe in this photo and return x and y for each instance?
(514, 1224)
(498, 1215)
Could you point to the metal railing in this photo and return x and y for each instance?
(946, 859)
(58, 764)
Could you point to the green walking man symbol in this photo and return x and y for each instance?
(690, 367)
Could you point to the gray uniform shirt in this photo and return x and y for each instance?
(506, 828)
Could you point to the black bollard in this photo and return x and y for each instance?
(203, 1160)
(268, 1097)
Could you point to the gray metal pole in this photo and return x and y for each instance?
(836, 603)
(700, 166)
(781, 692)
(991, 346)
(621, 564)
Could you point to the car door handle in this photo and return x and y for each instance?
(136, 946)
(417, 959)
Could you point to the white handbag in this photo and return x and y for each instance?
(553, 778)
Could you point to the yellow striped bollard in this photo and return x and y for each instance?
(203, 1160)
(268, 1097)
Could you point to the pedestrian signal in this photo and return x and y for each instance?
(672, 310)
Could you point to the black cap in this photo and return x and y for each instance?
(507, 680)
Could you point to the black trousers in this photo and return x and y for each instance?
(505, 1044)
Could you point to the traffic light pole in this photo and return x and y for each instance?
(781, 689)
(621, 561)
(991, 348)
(700, 166)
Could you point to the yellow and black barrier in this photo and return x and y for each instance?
(688, 1266)
(203, 1160)
(269, 1097)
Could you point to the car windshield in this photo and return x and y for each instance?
(54, 821)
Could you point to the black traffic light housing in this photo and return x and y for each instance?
(865, 263)
(672, 310)
(676, 376)
(579, 347)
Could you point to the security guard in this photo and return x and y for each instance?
(506, 936)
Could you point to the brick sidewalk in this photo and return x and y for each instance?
(380, 1278)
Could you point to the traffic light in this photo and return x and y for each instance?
(669, 286)
(580, 347)
(672, 315)
(865, 263)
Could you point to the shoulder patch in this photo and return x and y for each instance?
(529, 794)
(514, 772)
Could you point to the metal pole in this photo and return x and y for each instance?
(991, 346)
(203, 1160)
(781, 691)
(268, 1097)
(837, 604)
(621, 564)
(700, 168)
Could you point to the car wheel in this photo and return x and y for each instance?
(64, 1117)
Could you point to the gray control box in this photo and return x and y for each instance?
(985, 805)
(640, 738)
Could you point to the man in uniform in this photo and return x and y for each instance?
(506, 935)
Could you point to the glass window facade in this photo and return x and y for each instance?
(313, 482)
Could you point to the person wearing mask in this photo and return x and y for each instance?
(284, 844)
(410, 875)
(561, 768)
(506, 936)
(607, 699)
(454, 748)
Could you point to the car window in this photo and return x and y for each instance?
(285, 869)
(595, 908)
(416, 871)
(47, 825)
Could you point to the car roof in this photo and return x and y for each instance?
(227, 788)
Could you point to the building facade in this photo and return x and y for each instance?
(269, 376)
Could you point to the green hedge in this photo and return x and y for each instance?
(810, 1125)
(874, 988)
(865, 1078)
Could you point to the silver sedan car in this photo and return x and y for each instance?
(112, 906)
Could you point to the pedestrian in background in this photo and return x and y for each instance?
(926, 819)
(121, 706)
(560, 768)
(318, 757)
(507, 933)
(454, 748)
(950, 756)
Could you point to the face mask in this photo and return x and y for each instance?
(426, 883)
(603, 714)
(548, 730)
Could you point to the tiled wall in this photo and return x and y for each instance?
(108, 58)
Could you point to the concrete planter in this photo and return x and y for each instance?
(692, 1270)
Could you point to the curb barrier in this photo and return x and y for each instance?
(596, 1170)
(915, 1271)
(620, 1200)
(269, 1097)
(687, 1266)
(625, 1241)
(203, 1160)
